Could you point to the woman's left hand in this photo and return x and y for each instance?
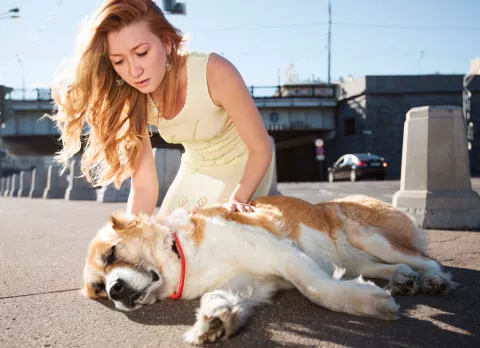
(239, 207)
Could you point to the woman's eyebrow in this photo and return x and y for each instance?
(133, 49)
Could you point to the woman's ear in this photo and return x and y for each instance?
(168, 45)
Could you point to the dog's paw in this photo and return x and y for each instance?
(213, 327)
(437, 283)
(405, 283)
(367, 299)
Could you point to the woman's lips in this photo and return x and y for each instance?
(142, 83)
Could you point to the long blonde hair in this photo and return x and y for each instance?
(116, 116)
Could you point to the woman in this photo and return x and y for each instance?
(130, 72)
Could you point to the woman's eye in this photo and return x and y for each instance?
(118, 63)
(142, 54)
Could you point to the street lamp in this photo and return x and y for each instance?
(20, 60)
(172, 7)
(8, 14)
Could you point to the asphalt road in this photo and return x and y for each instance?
(43, 246)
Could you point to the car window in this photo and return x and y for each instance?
(349, 160)
(368, 157)
(339, 161)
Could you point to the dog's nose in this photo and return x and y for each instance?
(117, 291)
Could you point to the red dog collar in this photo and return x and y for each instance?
(177, 295)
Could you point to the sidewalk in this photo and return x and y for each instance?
(43, 246)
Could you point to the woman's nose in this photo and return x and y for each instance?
(135, 70)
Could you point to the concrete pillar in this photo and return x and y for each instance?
(56, 184)
(435, 184)
(8, 185)
(25, 183)
(78, 188)
(273, 187)
(15, 184)
(3, 183)
(108, 194)
(39, 182)
(167, 163)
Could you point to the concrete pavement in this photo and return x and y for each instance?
(43, 245)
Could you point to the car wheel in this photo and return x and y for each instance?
(331, 178)
(353, 176)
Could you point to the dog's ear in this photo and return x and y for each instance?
(121, 222)
(87, 291)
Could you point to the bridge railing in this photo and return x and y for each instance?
(36, 94)
(297, 91)
(287, 91)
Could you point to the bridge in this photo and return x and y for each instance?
(295, 115)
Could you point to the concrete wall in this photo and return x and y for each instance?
(380, 110)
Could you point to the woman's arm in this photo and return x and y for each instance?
(144, 189)
(227, 89)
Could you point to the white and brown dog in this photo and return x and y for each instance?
(236, 261)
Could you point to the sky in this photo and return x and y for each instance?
(262, 38)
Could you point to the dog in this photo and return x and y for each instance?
(237, 261)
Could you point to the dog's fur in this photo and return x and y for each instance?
(236, 261)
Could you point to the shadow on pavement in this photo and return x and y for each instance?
(293, 321)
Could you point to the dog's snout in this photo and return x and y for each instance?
(117, 291)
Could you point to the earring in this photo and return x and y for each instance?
(168, 66)
(120, 82)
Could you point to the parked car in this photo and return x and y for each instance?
(356, 166)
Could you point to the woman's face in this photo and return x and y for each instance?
(138, 56)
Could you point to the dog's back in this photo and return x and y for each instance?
(346, 215)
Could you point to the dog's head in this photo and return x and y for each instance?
(124, 261)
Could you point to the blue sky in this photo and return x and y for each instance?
(263, 37)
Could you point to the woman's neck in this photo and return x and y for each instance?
(157, 94)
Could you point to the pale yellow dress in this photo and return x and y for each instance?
(215, 156)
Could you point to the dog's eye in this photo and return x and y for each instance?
(109, 257)
(98, 287)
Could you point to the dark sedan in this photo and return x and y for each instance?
(356, 166)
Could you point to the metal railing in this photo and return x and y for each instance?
(288, 91)
(37, 94)
(294, 91)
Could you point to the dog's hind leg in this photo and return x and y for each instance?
(403, 279)
(224, 311)
(433, 281)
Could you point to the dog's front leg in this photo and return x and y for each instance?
(224, 311)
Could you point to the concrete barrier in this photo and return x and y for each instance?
(25, 183)
(109, 194)
(15, 184)
(39, 182)
(78, 188)
(167, 163)
(56, 184)
(435, 186)
(8, 185)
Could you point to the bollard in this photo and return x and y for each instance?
(78, 188)
(167, 163)
(39, 182)
(8, 185)
(15, 185)
(56, 184)
(109, 194)
(273, 187)
(435, 187)
(3, 184)
(25, 183)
